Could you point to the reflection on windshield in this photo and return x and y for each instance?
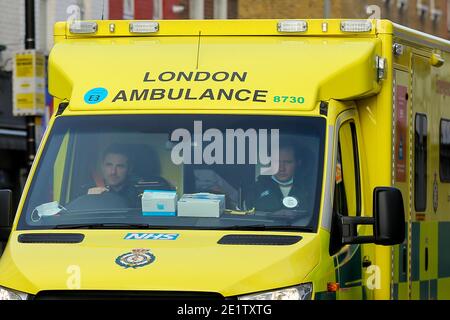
(179, 171)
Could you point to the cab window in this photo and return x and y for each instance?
(347, 189)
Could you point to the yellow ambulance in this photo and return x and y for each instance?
(250, 160)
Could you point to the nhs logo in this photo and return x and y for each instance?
(151, 236)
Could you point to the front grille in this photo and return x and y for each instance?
(125, 295)
(256, 239)
(51, 238)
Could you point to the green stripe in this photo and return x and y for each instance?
(395, 290)
(403, 259)
(336, 270)
(433, 289)
(424, 290)
(444, 250)
(403, 263)
(325, 295)
(428, 290)
(415, 254)
(351, 271)
(357, 283)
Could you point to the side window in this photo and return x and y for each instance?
(58, 170)
(340, 198)
(348, 186)
(420, 162)
(444, 151)
(347, 191)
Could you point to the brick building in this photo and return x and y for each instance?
(430, 16)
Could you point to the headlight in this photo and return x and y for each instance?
(8, 294)
(300, 292)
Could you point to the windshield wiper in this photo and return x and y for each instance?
(262, 227)
(109, 226)
(256, 227)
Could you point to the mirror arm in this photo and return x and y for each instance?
(349, 229)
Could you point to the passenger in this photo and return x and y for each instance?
(282, 191)
(115, 169)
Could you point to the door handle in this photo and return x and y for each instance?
(366, 262)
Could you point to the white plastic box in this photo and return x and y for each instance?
(159, 203)
(204, 205)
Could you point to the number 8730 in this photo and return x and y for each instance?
(284, 99)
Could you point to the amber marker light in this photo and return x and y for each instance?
(332, 287)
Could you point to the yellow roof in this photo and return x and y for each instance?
(252, 67)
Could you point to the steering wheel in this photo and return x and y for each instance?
(105, 200)
(289, 215)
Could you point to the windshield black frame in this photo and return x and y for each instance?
(63, 124)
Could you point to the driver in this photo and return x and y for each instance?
(283, 190)
(115, 169)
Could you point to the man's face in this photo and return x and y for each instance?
(287, 165)
(115, 169)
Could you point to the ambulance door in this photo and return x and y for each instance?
(423, 228)
(348, 202)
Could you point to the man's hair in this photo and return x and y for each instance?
(299, 150)
(290, 145)
(117, 149)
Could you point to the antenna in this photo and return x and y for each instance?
(103, 8)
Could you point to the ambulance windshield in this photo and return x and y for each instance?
(179, 172)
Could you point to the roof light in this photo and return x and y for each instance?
(83, 27)
(144, 27)
(292, 26)
(356, 26)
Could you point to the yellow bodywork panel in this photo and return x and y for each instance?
(192, 262)
(203, 72)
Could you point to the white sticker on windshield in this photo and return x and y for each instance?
(290, 202)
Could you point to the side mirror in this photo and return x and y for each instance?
(5, 214)
(389, 215)
(388, 220)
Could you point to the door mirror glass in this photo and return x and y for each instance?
(389, 215)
